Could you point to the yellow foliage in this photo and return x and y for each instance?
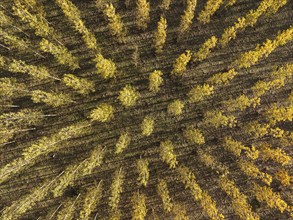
(199, 93)
(9, 87)
(240, 103)
(256, 129)
(103, 113)
(19, 66)
(142, 14)
(236, 148)
(187, 17)
(115, 24)
(209, 161)
(122, 143)
(210, 207)
(194, 135)
(160, 35)
(139, 209)
(116, 189)
(251, 170)
(163, 192)
(217, 119)
(188, 179)
(222, 78)
(143, 171)
(277, 155)
(156, 80)
(82, 86)
(179, 67)
(105, 67)
(279, 113)
(128, 96)
(51, 99)
(175, 107)
(91, 200)
(205, 49)
(73, 14)
(273, 199)
(147, 126)
(167, 155)
(276, 132)
(210, 8)
(165, 5)
(283, 176)
(61, 53)
(239, 201)
(179, 212)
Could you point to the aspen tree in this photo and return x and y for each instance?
(209, 161)
(275, 6)
(67, 212)
(277, 155)
(210, 8)
(147, 126)
(256, 129)
(209, 206)
(229, 3)
(187, 17)
(5, 21)
(283, 176)
(194, 135)
(188, 179)
(12, 40)
(116, 189)
(165, 5)
(73, 15)
(239, 201)
(179, 67)
(122, 143)
(114, 22)
(143, 171)
(155, 81)
(163, 192)
(205, 49)
(142, 14)
(82, 86)
(36, 22)
(51, 99)
(128, 96)
(279, 113)
(160, 35)
(167, 154)
(240, 103)
(222, 78)
(251, 57)
(273, 199)
(103, 113)
(19, 66)
(92, 198)
(75, 171)
(9, 87)
(179, 212)
(249, 169)
(139, 209)
(42, 147)
(62, 55)
(236, 148)
(105, 67)
(175, 108)
(200, 92)
(217, 119)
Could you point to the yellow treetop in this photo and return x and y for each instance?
(82, 86)
(205, 49)
(167, 153)
(122, 143)
(156, 80)
(179, 67)
(103, 113)
(128, 96)
(105, 67)
(139, 209)
(175, 108)
(210, 8)
(51, 99)
(142, 14)
(194, 135)
(147, 126)
(200, 92)
(143, 171)
(160, 35)
(187, 17)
